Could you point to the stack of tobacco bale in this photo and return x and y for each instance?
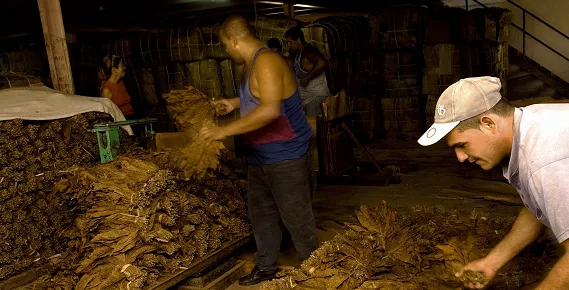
(34, 155)
(398, 35)
(442, 69)
(33, 62)
(15, 80)
(124, 224)
(266, 28)
(340, 40)
(383, 249)
(442, 55)
(487, 32)
(343, 41)
(142, 223)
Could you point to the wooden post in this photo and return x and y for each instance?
(56, 45)
(288, 9)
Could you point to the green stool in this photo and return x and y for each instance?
(110, 132)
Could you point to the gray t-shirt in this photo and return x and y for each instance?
(539, 164)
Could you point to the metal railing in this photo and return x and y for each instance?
(525, 32)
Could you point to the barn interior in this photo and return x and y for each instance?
(90, 200)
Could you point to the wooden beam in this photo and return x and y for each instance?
(288, 9)
(56, 45)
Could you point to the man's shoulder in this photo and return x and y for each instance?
(311, 49)
(270, 59)
(544, 131)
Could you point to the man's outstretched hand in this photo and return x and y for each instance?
(212, 133)
(478, 266)
(223, 107)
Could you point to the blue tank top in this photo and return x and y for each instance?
(284, 138)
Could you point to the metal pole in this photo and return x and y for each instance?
(524, 33)
(466, 4)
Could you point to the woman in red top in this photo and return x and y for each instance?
(114, 88)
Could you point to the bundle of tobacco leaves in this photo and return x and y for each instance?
(191, 110)
(34, 155)
(139, 223)
(382, 249)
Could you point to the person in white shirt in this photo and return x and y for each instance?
(530, 143)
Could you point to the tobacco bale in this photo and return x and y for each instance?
(148, 86)
(402, 116)
(430, 108)
(4, 64)
(170, 77)
(400, 64)
(27, 61)
(436, 84)
(15, 80)
(231, 75)
(266, 27)
(205, 76)
(401, 87)
(185, 44)
(213, 48)
(396, 28)
(442, 59)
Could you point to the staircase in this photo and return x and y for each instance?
(527, 79)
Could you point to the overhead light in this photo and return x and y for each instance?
(270, 2)
(306, 6)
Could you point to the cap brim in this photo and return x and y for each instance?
(437, 132)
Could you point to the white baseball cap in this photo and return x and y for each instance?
(462, 100)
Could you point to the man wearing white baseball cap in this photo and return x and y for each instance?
(531, 144)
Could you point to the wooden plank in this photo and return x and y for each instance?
(203, 279)
(201, 264)
(224, 281)
(56, 45)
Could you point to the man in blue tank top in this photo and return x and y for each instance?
(277, 133)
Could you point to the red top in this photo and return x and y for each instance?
(120, 97)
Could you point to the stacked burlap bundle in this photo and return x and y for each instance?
(205, 76)
(186, 44)
(231, 75)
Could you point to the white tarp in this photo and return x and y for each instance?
(44, 103)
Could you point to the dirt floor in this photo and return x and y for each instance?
(439, 181)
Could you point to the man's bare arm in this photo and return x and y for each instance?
(558, 277)
(526, 229)
(235, 102)
(269, 75)
(319, 62)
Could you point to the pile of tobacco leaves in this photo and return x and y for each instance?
(139, 222)
(68, 222)
(382, 249)
(191, 110)
(33, 156)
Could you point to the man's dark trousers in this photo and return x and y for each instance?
(281, 191)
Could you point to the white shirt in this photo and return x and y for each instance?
(539, 164)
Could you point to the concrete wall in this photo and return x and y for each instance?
(551, 11)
